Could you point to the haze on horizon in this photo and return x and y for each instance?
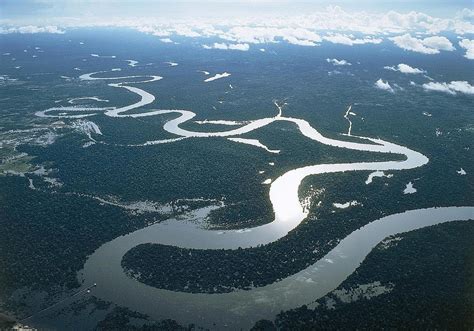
(46, 11)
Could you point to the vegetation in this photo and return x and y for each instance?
(6, 323)
(120, 319)
(195, 270)
(194, 168)
(432, 272)
(46, 236)
(61, 230)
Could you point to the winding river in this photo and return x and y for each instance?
(240, 309)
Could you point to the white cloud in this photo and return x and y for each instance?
(31, 29)
(264, 34)
(330, 18)
(156, 31)
(466, 14)
(239, 47)
(468, 45)
(352, 27)
(382, 85)
(186, 31)
(439, 43)
(451, 88)
(349, 40)
(224, 46)
(300, 42)
(337, 62)
(163, 30)
(166, 40)
(253, 35)
(405, 68)
(430, 45)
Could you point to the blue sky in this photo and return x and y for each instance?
(46, 9)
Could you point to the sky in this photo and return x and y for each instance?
(428, 27)
(43, 10)
(421, 26)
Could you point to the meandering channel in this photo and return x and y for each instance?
(242, 308)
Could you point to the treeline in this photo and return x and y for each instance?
(309, 242)
(123, 319)
(432, 272)
(210, 168)
(46, 237)
(217, 271)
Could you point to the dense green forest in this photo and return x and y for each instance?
(6, 323)
(431, 276)
(124, 319)
(210, 168)
(61, 230)
(48, 232)
(310, 241)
